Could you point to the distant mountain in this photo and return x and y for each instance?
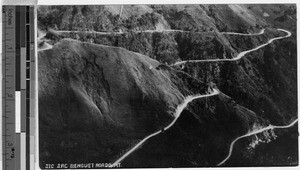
(241, 18)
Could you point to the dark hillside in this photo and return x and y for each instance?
(105, 93)
(109, 81)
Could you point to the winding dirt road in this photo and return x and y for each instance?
(189, 99)
(253, 133)
(240, 55)
(215, 92)
(243, 34)
(46, 46)
(151, 31)
(179, 109)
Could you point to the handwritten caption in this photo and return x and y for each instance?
(82, 166)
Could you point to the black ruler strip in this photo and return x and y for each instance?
(29, 82)
(27, 42)
(28, 15)
(18, 48)
(28, 47)
(23, 25)
(10, 142)
(28, 68)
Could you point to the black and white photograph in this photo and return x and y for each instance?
(167, 85)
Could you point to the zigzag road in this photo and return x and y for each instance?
(179, 109)
(240, 55)
(215, 92)
(189, 99)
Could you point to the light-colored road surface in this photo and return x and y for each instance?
(42, 34)
(89, 32)
(179, 109)
(188, 99)
(215, 92)
(182, 31)
(118, 33)
(240, 55)
(253, 133)
(153, 31)
(46, 46)
(243, 34)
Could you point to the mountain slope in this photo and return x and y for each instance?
(100, 91)
(92, 98)
(98, 101)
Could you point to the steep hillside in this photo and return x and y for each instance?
(239, 18)
(200, 138)
(93, 97)
(281, 151)
(110, 80)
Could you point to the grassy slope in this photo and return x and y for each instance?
(93, 97)
(264, 82)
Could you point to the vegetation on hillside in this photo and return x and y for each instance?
(259, 89)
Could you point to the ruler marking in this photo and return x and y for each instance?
(23, 151)
(17, 72)
(29, 138)
(18, 150)
(18, 49)
(8, 14)
(17, 42)
(30, 130)
(23, 110)
(28, 42)
(23, 26)
(32, 33)
(27, 88)
(18, 111)
(27, 15)
(23, 68)
(8, 48)
(27, 70)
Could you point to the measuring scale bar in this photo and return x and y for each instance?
(9, 52)
(18, 60)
